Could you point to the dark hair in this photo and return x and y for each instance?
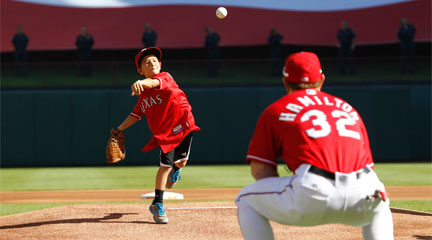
(301, 86)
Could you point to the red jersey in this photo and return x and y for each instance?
(168, 113)
(309, 126)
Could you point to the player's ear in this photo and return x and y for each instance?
(140, 72)
(286, 84)
(322, 80)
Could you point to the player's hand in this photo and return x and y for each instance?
(137, 88)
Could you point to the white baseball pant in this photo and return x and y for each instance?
(307, 199)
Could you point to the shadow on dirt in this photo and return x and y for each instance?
(106, 219)
(423, 237)
(405, 211)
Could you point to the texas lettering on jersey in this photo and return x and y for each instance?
(149, 102)
(168, 113)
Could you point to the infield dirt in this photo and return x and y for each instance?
(207, 219)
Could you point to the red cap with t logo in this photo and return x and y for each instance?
(147, 51)
(302, 67)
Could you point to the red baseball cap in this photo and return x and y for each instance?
(302, 67)
(147, 51)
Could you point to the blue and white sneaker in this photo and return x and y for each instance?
(173, 177)
(158, 212)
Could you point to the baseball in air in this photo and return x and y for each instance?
(221, 12)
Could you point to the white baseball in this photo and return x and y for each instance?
(221, 12)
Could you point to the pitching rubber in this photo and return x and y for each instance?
(167, 195)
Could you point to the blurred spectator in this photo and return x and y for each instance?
(149, 36)
(212, 46)
(406, 36)
(346, 46)
(274, 41)
(84, 42)
(20, 42)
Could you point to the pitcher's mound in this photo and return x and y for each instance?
(198, 220)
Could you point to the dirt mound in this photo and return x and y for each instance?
(197, 220)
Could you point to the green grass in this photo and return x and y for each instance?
(23, 179)
(214, 176)
(139, 177)
(13, 208)
(417, 205)
(82, 178)
(405, 174)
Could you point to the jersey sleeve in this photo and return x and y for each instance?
(367, 149)
(263, 145)
(137, 112)
(164, 80)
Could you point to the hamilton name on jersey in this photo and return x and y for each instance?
(150, 101)
(311, 99)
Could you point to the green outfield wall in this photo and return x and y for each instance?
(71, 127)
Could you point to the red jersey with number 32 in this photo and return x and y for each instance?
(310, 126)
(168, 113)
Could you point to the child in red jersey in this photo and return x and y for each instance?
(170, 119)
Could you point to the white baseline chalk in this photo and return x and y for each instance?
(202, 208)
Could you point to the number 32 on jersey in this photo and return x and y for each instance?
(322, 128)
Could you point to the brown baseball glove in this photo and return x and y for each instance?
(115, 149)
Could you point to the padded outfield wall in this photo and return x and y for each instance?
(71, 127)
